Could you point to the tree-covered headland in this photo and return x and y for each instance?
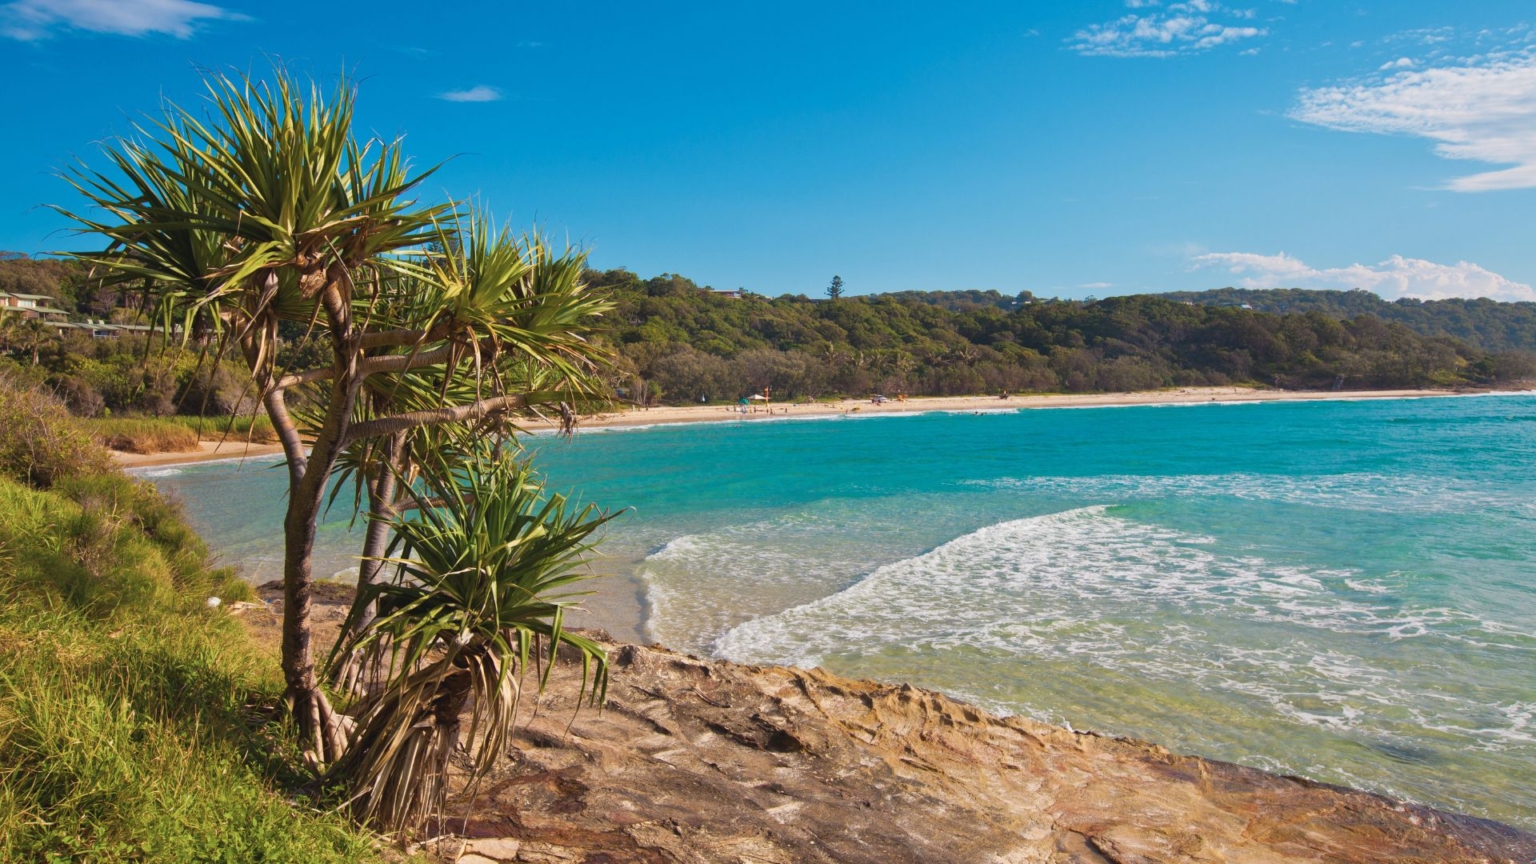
(683, 343)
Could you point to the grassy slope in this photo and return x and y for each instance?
(133, 718)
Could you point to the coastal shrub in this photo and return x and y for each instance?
(1513, 366)
(127, 380)
(41, 444)
(220, 390)
(22, 375)
(78, 396)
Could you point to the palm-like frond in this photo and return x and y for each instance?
(513, 296)
(485, 570)
(241, 213)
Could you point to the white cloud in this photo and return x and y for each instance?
(1399, 63)
(1097, 285)
(1482, 109)
(478, 93)
(1184, 28)
(1393, 278)
(35, 19)
(1426, 35)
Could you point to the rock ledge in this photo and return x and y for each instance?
(709, 761)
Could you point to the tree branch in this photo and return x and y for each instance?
(288, 434)
(397, 338)
(476, 410)
(319, 373)
(404, 362)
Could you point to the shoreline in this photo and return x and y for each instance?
(666, 415)
(716, 712)
(214, 451)
(693, 756)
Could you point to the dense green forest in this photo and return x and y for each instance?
(1485, 324)
(678, 342)
(683, 343)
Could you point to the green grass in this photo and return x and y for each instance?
(258, 428)
(135, 721)
(176, 434)
(142, 434)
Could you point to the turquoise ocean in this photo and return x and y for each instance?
(1342, 590)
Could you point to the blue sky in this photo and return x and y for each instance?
(1072, 149)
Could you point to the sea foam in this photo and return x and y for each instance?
(1156, 604)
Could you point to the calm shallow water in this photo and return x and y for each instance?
(1342, 590)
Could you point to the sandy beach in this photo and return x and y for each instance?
(1181, 396)
(211, 450)
(207, 451)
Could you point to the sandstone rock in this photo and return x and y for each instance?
(702, 761)
(499, 848)
(699, 761)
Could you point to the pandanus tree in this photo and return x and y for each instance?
(266, 208)
(482, 563)
(383, 473)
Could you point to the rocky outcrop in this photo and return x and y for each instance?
(708, 761)
(701, 761)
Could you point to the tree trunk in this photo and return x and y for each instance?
(381, 509)
(319, 727)
(355, 672)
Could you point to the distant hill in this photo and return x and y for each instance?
(677, 341)
(681, 342)
(1485, 324)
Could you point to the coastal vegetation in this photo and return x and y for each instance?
(1488, 325)
(678, 342)
(683, 343)
(136, 722)
(392, 346)
(483, 573)
(176, 434)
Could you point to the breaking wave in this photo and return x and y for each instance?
(1159, 605)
